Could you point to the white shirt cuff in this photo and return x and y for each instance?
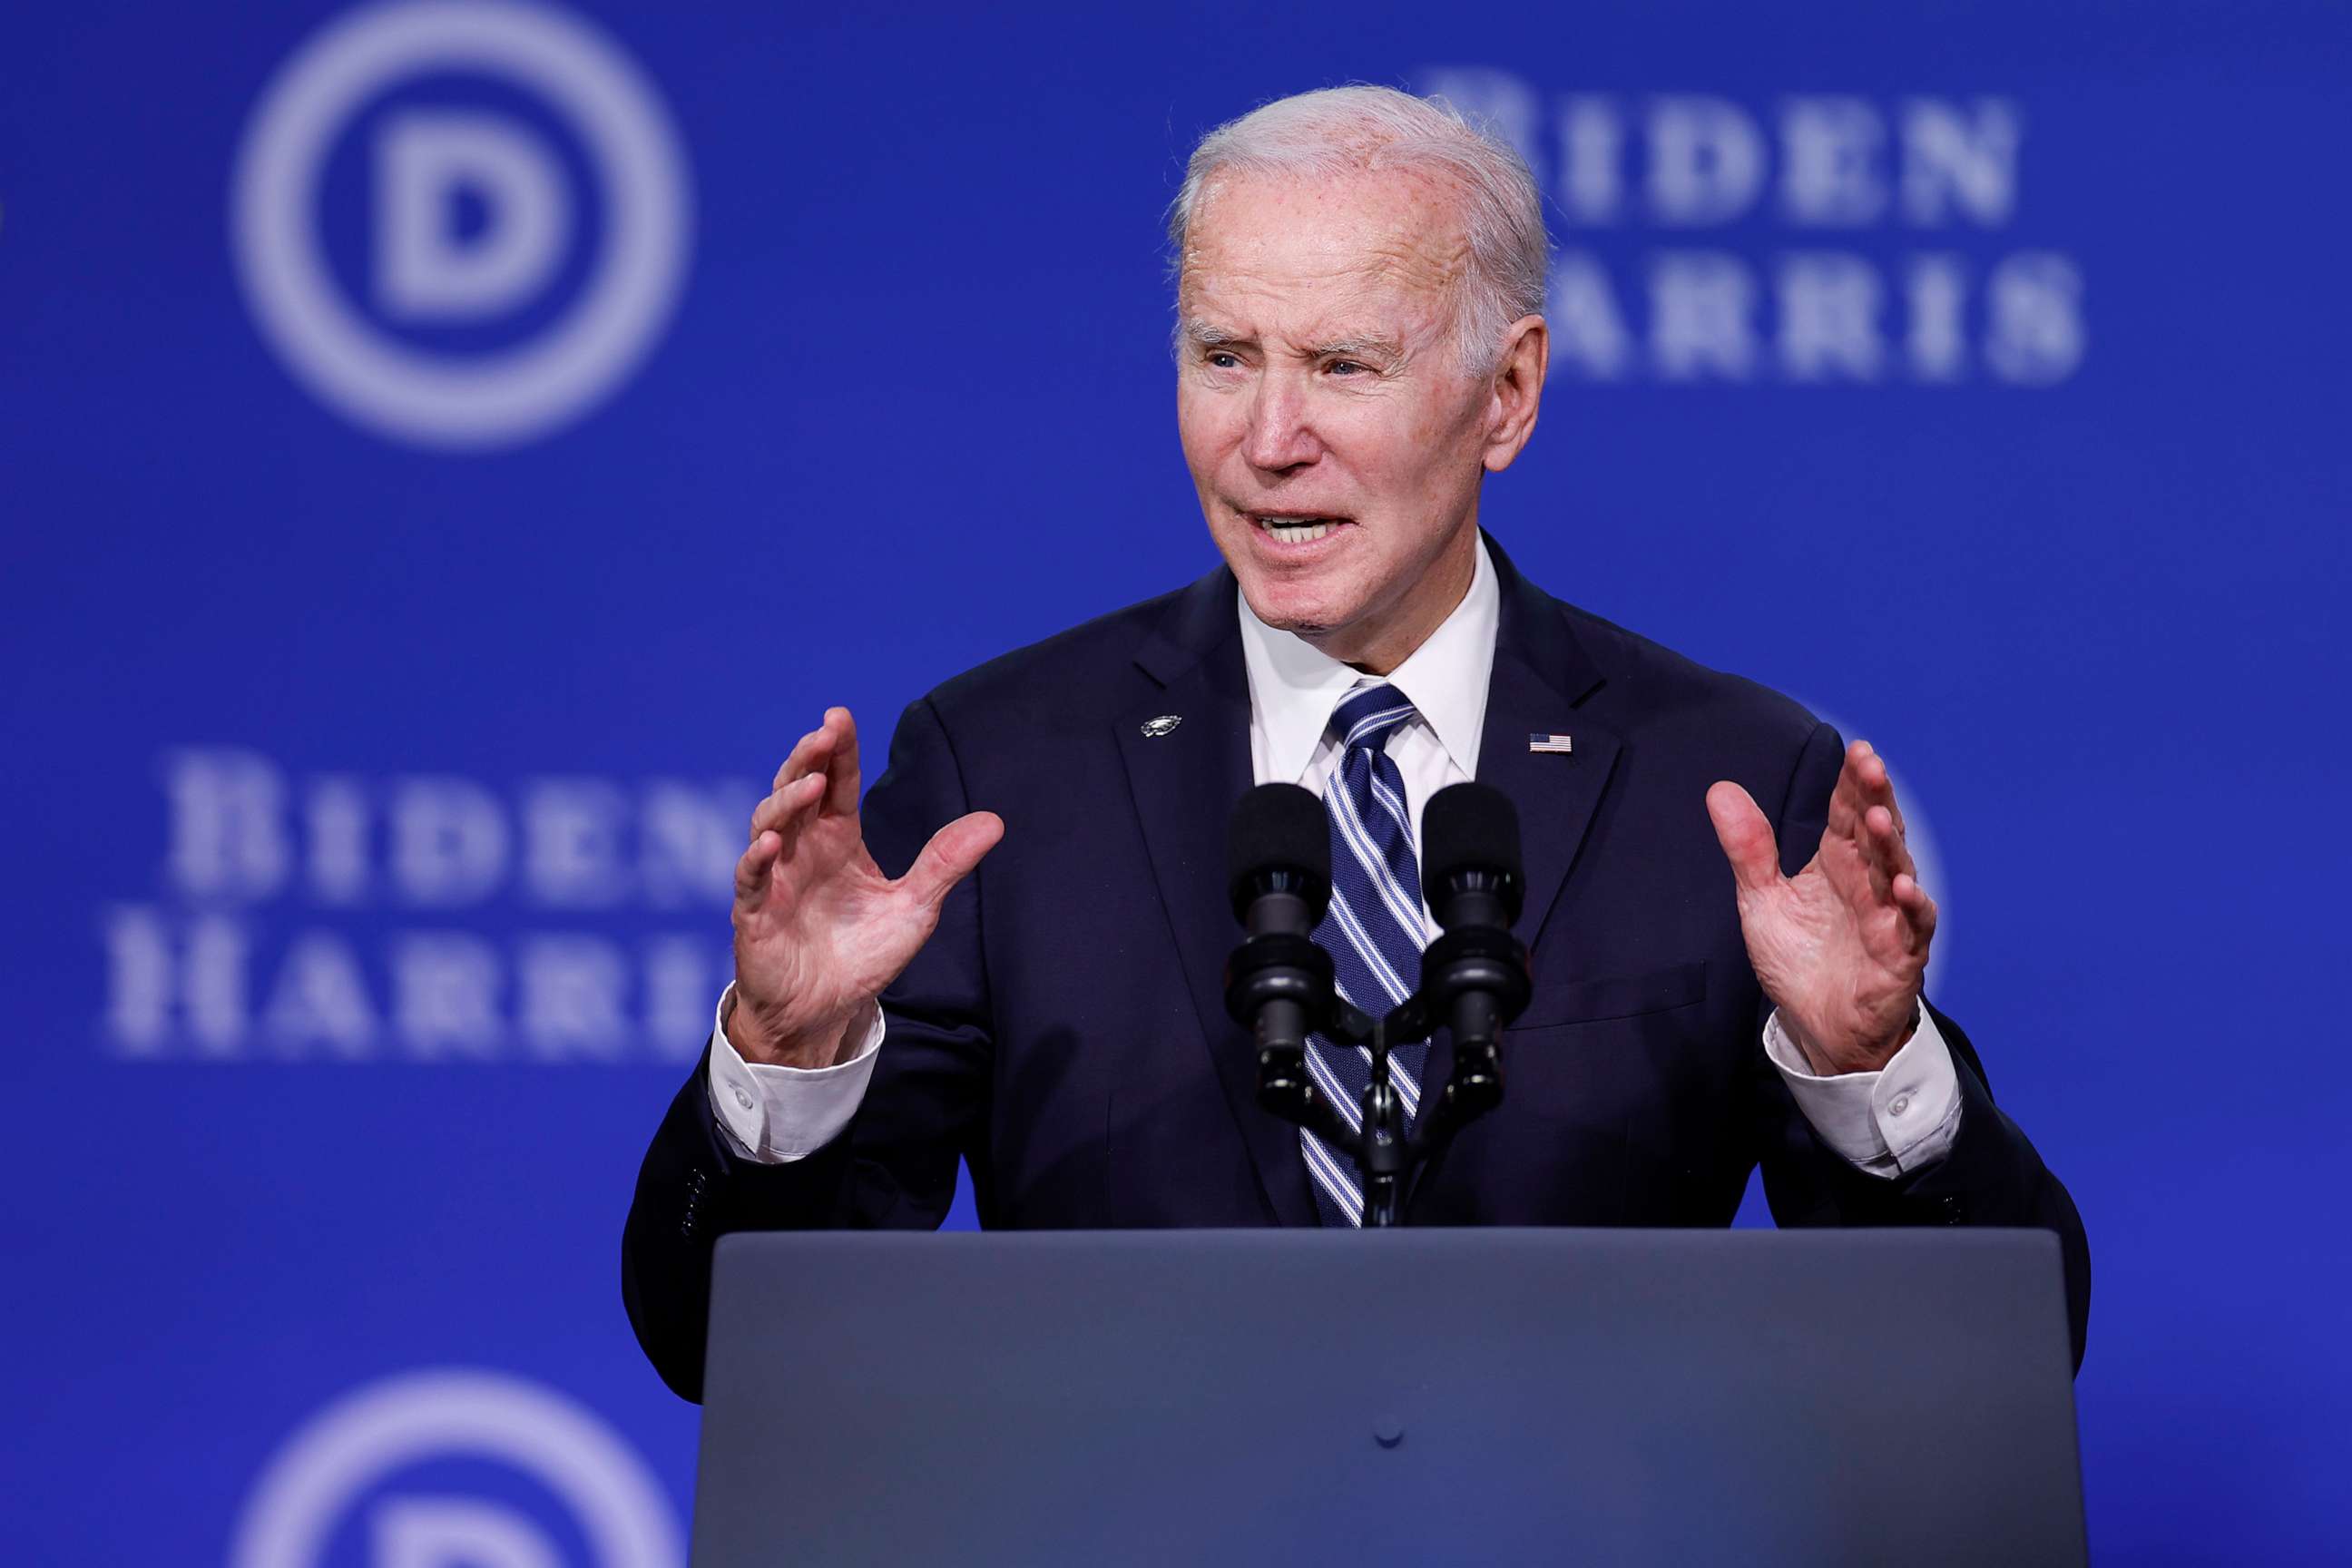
(773, 1115)
(1889, 1122)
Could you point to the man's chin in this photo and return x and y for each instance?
(1285, 609)
(1311, 598)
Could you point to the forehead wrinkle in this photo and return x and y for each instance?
(1397, 232)
(1405, 201)
(1392, 258)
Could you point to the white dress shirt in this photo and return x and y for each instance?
(1887, 1122)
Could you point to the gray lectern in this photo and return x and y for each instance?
(1897, 1398)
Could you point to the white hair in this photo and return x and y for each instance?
(1347, 130)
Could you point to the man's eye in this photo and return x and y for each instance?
(1220, 360)
(1344, 367)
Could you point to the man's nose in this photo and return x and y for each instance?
(1281, 435)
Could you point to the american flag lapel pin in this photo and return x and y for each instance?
(1552, 746)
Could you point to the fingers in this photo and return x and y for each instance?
(1890, 855)
(823, 766)
(809, 755)
(1746, 834)
(1862, 782)
(840, 796)
(776, 824)
(1849, 798)
(803, 780)
(951, 855)
(751, 869)
(1919, 913)
(1886, 851)
(1881, 817)
(1863, 811)
(787, 803)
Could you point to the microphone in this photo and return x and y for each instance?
(1470, 857)
(1475, 975)
(1278, 860)
(1279, 982)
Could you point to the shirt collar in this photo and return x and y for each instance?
(1294, 686)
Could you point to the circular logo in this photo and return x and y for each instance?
(373, 377)
(312, 1480)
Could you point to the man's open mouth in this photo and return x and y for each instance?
(1295, 528)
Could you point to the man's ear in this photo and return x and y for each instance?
(1517, 389)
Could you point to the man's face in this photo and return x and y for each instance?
(1333, 433)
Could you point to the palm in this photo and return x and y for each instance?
(1840, 946)
(823, 934)
(819, 931)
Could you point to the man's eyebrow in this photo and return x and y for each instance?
(1202, 334)
(1366, 347)
(1369, 345)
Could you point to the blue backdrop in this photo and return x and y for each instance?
(448, 452)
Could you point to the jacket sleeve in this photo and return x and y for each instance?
(895, 1165)
(1992, 1176)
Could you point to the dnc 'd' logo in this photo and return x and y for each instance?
(456, 1469)
(460, 224)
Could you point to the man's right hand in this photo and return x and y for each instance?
(819, 931)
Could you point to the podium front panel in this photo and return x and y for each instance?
(1886, 1397)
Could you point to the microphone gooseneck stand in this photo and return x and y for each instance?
(1474, 976)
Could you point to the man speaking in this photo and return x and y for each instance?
(1012, 954)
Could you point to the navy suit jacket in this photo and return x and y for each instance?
(1065, 1031)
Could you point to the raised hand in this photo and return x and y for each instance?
(1839, 947)
(819, 931)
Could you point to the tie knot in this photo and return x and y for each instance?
(1367, 718)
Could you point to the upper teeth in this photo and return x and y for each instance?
(1295, 531)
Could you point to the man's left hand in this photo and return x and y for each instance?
(1840, 946)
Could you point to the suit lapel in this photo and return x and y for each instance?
(1186, 779)
(1541, 675)
(1542, 678)
(1556, 795)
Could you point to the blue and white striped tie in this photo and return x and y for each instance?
(1374, 929)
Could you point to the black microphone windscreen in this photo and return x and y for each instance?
(1469, 827)
(1277, 827)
